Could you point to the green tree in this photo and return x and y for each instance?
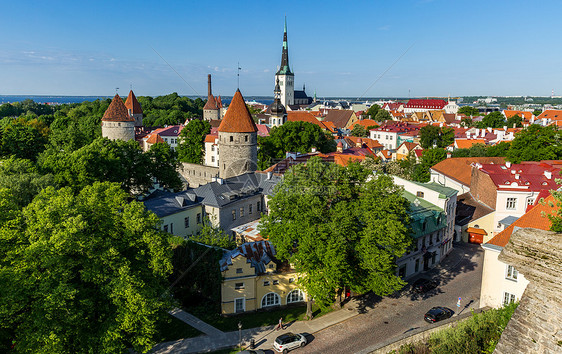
(192, 141)
(359, 130)
(500, 149)
(467, 122)
(83, 273)
(431, 135)
(338, 229)
(537, 112)
(536, 143)
(382, 115)
(294, 137)
(22, 178)
(469, 111)
(429, 158)
(23, 138)
(492, 120)
(372, 111)
(213, 236)
(163, 165)
(515, 122)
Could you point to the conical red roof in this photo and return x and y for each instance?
(117, 112)
(132, 104)
(211, 103)
(237, 118)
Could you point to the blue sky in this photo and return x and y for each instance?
(337, 48)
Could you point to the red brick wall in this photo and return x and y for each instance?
(482, 188)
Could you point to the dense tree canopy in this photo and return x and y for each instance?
(192, 141)
(492, 120)
(81, 273)
(514, 122)
(469, 111)
(359, 131)
(429, 158)
(431, 135)
(536, 143)
(22, 178)
(23, 137)
(338, 229)
(170, 109)
(371, 113)
(292, 137)
(382, 115)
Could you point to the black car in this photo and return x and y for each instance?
(437, 314)
(423, 285)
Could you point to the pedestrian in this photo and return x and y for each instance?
(280, 324)
(459, 302)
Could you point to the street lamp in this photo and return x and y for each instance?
(240, 335)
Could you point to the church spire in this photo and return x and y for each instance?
(284, 69)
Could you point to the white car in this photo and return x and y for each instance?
(289, 341)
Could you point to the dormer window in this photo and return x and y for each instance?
(419, 194)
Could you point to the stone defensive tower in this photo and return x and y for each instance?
(116, 123)
(134, 108)
(284, 75)
(238, 140)
(212, 109)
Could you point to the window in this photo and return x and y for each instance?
(171, 227)
(240, 305)
(511, 203)
(250, 209)
(186, 222)
(234, 215)
(246, 138)
(508, 298)
(239, 270)
(271, 266)
(417, 267)
(266, 283)
(511, 273)
(276, 282)
(419, 194)
(199, 218)
(271, 299)
(530, 201)
(238, 286)
(231, 138)
(258, 206)
(431, 239)
(165, 228)
(241, 211)
(212, 159)
(402, 271)
(295, 296)
(212, 147)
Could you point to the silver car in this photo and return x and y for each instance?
(289, 341)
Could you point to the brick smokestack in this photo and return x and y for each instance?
(209, 85)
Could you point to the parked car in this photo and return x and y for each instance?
(437, 314)
(423, 285)
(289, 341)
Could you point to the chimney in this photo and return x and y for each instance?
(359, 143)
(483, 132)
(269, 175)
(507, 164)
(517, 176)
(548, 174)
(340, 147)
(209, 85)
(313, 149)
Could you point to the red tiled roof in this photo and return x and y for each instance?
(467, 143)
(526, 176)
(211, 103)
(460, 169)
(409, 145)
(154, 138)
(425, 103)
(386, 153)
(523, 114)
(117, 112)
(211, 138)
(552, 114)
(370, 143)
(238, 118)
(365, 123)
(304, 116)
(172, 130)
(132, 104)
(536, 218)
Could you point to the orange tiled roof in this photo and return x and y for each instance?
(154, 138)
(211, 138)
(330, 126)
(552, 114)
(467, 143)
(365, 123)
(409, 145)
(371, 143)
(133, 104)
(386, 153)
(117, 112)
(523, 114)
(474, 230)
(536, 218)
(237, 118)
(459, 168)
(304, 116)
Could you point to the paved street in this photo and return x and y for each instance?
(392, 316)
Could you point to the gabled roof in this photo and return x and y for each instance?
(117, 112)
(425, 103)
(469, 209)
(523, 114)
(460, 169)
(467, 143)
(370, 143)
(305, 116)
(339, 117)
(409, 145)
(172, 130)
(237, 118)
(132, 104)
(536, 218)
(552, 114)
(164, 203)
(524, 177)
(211, 138)
(365, 123)
(258, 254)
(154, 138)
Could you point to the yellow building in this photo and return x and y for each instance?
(254, 279)
(405, 148)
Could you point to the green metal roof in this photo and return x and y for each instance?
(444, 192)
(425, 217)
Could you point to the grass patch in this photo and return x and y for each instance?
(171, 328)
(261, 318)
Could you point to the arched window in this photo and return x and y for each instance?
(270, 299)
(295, 296)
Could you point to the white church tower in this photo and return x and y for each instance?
(284, 75)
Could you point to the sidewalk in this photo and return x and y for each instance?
(263, 336)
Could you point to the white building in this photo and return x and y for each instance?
(211, 150)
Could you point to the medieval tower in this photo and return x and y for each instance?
(238, 140)
(116, 123)
(278, 112)
(134, 108)
(284, 75)
(212, 109)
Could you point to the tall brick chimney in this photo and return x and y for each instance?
(209, 85)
